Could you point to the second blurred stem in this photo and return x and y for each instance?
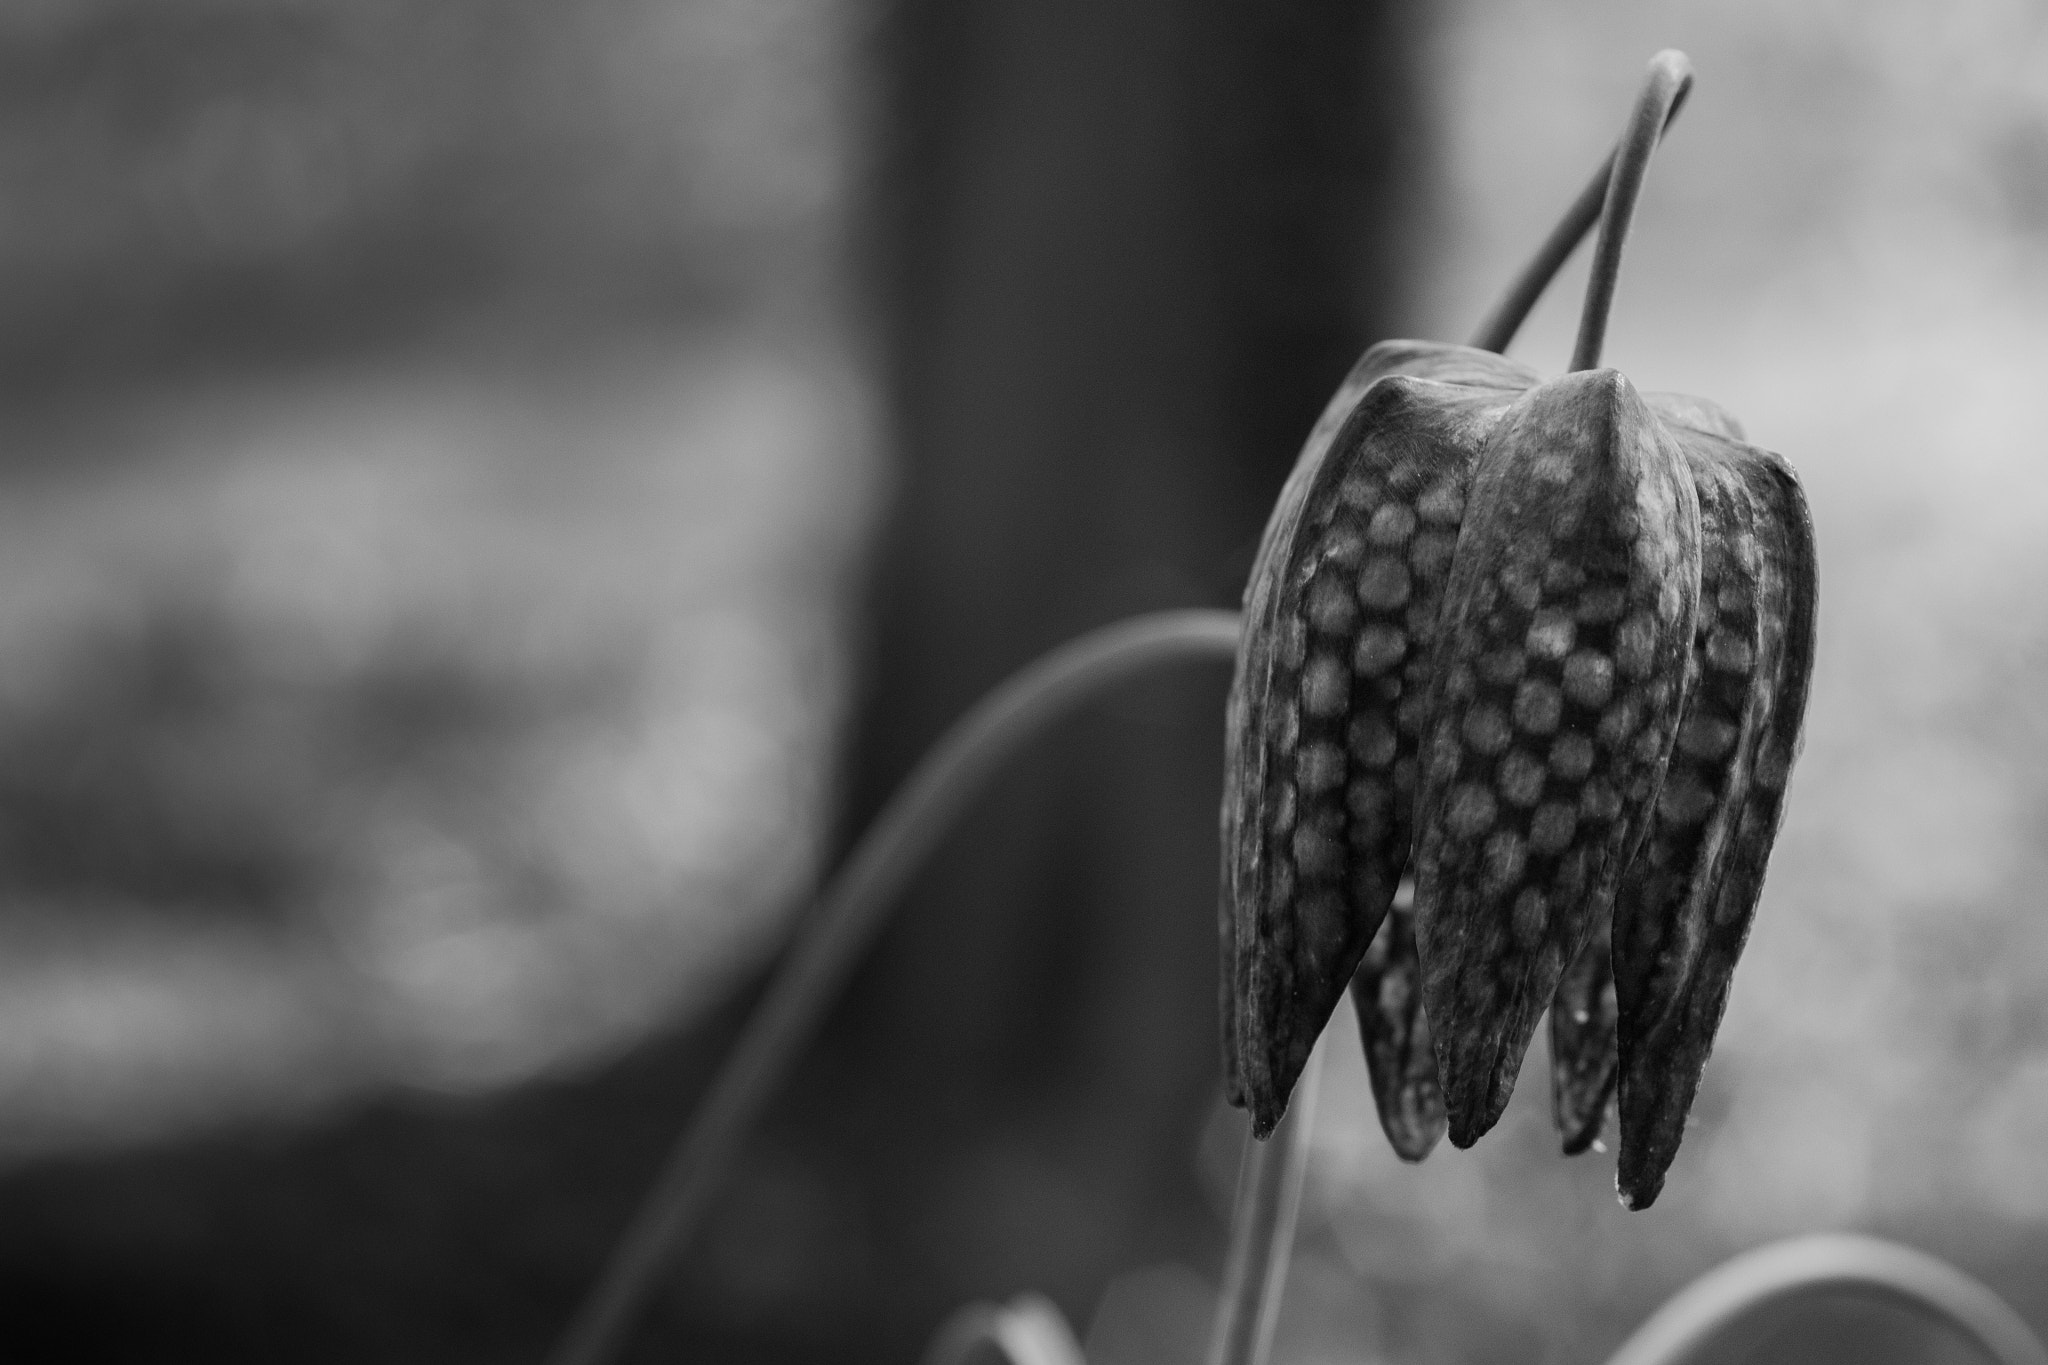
(1269, 1182)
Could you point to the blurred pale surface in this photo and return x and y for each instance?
(429, 488)
(420, 724)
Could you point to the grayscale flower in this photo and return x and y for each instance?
(1544, 647)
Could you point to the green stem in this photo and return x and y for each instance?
(1666, 84)
(1683, 1330)
(1269, 1181)
(845, 919)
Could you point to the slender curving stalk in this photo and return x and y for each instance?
(1269, 1181)
(1683, 1330)
(1498, 329)
(844, 920)
(1668, 80)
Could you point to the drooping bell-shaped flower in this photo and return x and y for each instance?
(1326, 711)
(1558, 680)
(1542, 646)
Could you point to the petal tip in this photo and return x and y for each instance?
(1635, 1192)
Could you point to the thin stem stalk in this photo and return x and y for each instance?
(1683, 1330)
(1498, 329)
(1668, 80)
(848, 912)
(1269, 1182)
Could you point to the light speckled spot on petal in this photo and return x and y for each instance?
(1730, 652)
(1331, 607)
(1442, 504)
(1368, 798)
(1383, 583)
(1589, 679)
(1359, 491)
(1317, 857)
(1619, 723)
(1705, 736)
(1685, 800)
(1550, 635)
(1502, 666)
(1430, 552)
(1599, 801)
(1325, 686)
(1537, 706)
(1380, 647)
(1486, 730)
(1561, 577)
(1520, 779)
(1372, 739)
(1343, 544)
(1571, 757)
(1319, 767)
(1391, 525)
(1522, 584)
(1471, 811)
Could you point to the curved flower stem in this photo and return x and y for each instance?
(1269, 1181)
(1669, 78)
(1683, 1329)
(1498, 329)
(845, 918)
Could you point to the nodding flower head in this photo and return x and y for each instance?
(1542, 647)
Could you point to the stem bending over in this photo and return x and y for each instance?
(844, 920)
(1669, 78)
(1498, 329)
(1683, 1330)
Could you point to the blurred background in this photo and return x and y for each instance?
(492, 498)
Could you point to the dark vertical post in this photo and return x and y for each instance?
(1123, 252)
